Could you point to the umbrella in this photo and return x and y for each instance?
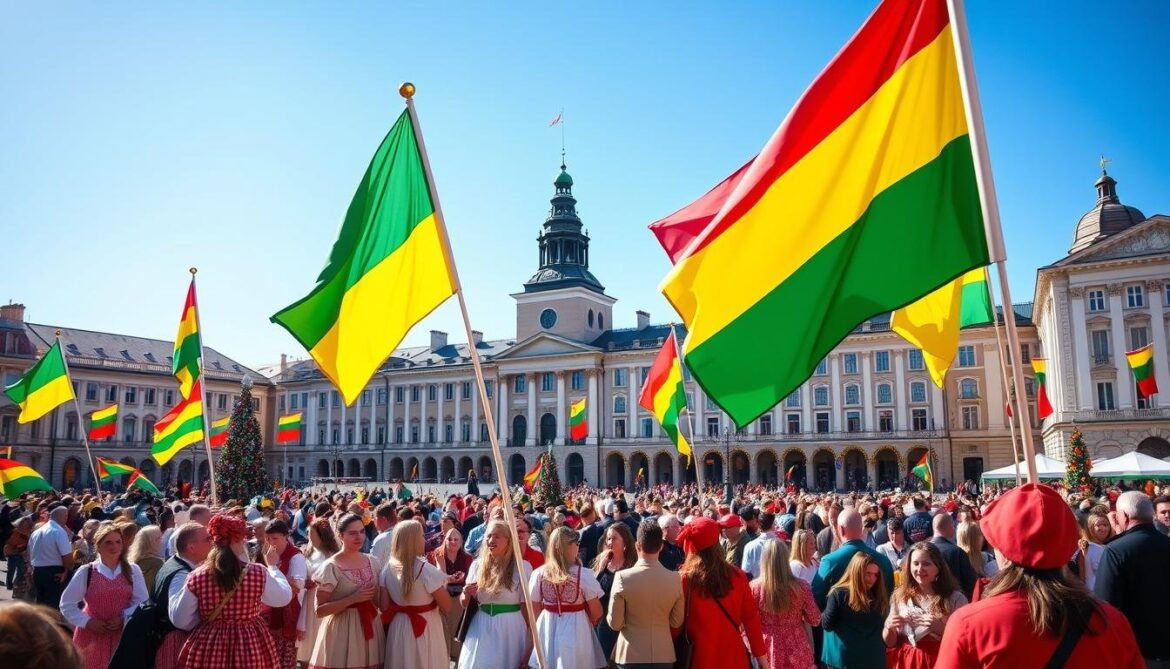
(1046, 468)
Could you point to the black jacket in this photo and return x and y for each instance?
(591, 538)
(959, 564)
(1134, 576)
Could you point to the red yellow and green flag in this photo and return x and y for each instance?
(1141, 362)
(924, 471)
(414, 472)
(578, 421)
(533, 475)
(932, 323)
(17, 478)
(664, 395)
(288, 428)
(788, 474)
(188, 347)
(389, 268)
(139, 480)
(219, 431)
(44, 387)
(181, 427)
(864, 200)
(1043, 405)
(103, 423)
(108, 469)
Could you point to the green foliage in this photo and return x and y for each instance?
(239, 471)
(548, 488)
(1078, 462)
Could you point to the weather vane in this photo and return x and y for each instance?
(1104, 162)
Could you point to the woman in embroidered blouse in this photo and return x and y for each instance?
(453, 561)
(919, 609)
(786, 605)
(414, 597)
(347, 585)
(110, 588)
(566, 601)
(498, 637)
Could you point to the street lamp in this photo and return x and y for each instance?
(729, 434)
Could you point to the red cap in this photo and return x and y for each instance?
(698, 534)
(1033, 527)
(730, 520)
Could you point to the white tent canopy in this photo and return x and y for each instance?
(1132, 465)
(1046, 468)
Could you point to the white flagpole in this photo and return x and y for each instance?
(1004, 373)
(97, 480)
(407, 91)
(204, 404)
(690, 417)
(992, 225)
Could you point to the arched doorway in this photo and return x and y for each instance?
(516, 469)
(395, 473)
(446, 470)
(796, 463)
(687, 467)
(185, 471)
(412, 472)
(639, 465)
(741, 469)
(887, 468)
(371, 469)
(465, 467)
(147, 469)
(355, 468)
(912, 459)
(663, 468)
(168, 473)
(615, 470)
(856, 476)
(713, 468)
(70, 473)
(338, 469)
(519, 430)
(322, 468)
(485, 469)
(430, 470)
(548, 429)
(574, 469)
(766, 468)
(1155, 447)
(824, 473)
(204, 472)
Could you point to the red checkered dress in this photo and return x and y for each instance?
(238, 638)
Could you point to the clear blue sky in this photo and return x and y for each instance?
(138, 139)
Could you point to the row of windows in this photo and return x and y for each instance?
(131, 395)
(367, 398)
(1100, 342)
(1135, 298)
(448, 432)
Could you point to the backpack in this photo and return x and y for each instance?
(143, 633)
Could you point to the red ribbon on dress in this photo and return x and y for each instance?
(559, 608)
(417, 622)
(367, 612)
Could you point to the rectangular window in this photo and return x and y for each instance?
(643, 372)
(918, 420)
(322, 399)
(432, 392)
(1166, 296)
(885, 393)
(619, 404)
(647, 428)
(822, 422)
(619, 377)
(280, 404)
(415, 393)
(850, 363)
(710, 403)
(1100, 341)
(1097, 299)
(822, 367)
(821, 396)
(881, 361)
(712, 426)
(221, 401)
(148, 397)
(131, 395)
(1138, 337)
(793, 399)
(398, 434)
(112, 394)
(169, 398)
(448, 391)
(916, 364)
(766, 425)
(465, 390)
(577, 380)
(1135, 296)
(1029, 387)
(970, 418)
(365, 434)
(852, 395)
(853, 421)
(1105, 396)
(336, 435)
(399, 395)
(365, 398)
(519, 383)
(918, 391)
(548, 382)
(414, 434)
(487, 387)
(91, 392)
(619, 428)
(381, 434)
(381, 397)
(293, 401)
(465, 431)
(886, 421)
(966, 356)
(1025, 353)
(336, 398)
(793, 420)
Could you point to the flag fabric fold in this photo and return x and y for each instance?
(1141, 362)
(1043, 405)
(924, 471)
(578, 421)
(863, 201)
(180, 427)
(388, 269)
(788, 474)
(664, 393)
(139, 480)
(933, 322)
(103, 423)
(17, 478)
(108, 469)
(44, 387)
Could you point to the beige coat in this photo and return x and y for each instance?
(645, 602)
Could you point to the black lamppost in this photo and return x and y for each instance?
(729, 434)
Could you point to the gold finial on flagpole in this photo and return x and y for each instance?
(193, 271)
(58, 334)
(406, 90)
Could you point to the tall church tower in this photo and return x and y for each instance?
(563, 297)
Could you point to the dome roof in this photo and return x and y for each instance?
(1108, 217)
(563, 179)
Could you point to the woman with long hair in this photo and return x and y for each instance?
(1095, 531)
(222, 599)
(565, 599)
(786, 606)
(146, 552)
(920, 608)
(969, 537)
(284, 622)
(414, 597)
(619, 554)
(100, 596)
(720, 606)
(347, 585)
(322, 545)
(803, 561)
(498, 636)
(854, 611)
(1034, 605)
(455, 562)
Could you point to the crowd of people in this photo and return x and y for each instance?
(1031, 576)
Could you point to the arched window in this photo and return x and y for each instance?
(821, 396)
(968, 389)
(128, 426)
(885, 394)
(852, 394)
(917, 391)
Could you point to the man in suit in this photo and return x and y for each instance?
(645, 602)
(832, 568)
(955, 557)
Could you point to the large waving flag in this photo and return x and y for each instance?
(181, 427)
(17, 478)
(864, 200)
(388, 269)
(933, 322)
(1141, 362)
(109, 469)
(924, 471)
(1043, 405)
(43, 387)
(664, 395)
(188, 347)
(139, 480)
(103, 423)
(288, 428)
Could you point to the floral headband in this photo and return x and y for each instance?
(225, 529)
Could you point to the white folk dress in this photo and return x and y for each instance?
(499, 641)
(404, 649)
(566, 637)
(309, 621)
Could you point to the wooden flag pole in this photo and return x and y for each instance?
(1004, 374)
(690, 417)
(407, 91)
(97, 480)
(203, 406)
(992, 226)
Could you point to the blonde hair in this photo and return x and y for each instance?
(147, 543)
(103, 530)
(496, 574)
(853, 582)
(776, 579)
(970, 538)
(804, 547)
(406, 546)
(556, 566)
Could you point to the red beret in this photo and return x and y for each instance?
(1033, 527)
(730, 520)
(698, 534)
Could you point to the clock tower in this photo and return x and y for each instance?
(563, 297)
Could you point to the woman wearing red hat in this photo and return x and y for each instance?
(1034, 613)
(720, 606)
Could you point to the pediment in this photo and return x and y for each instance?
(544, 344)
(1148, 238)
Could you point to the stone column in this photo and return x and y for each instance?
(806, 408)
(328, 420)
(344, 416)
(868, 419)
(594, 405)
(406, 390)
(310, 412)
(422, 412)
(1157, 295)
(389, 416)
(936, 408)
(900, 390)
(835, 395)
(840, 471)
(530, 438)
(503, 416)
(562, 415)
(871, 471)
(440, 428)
(1082, 365)
(475, 411)
(1123, 385)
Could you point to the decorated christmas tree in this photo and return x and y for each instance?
(1078, 463)
(239, 471)
(548, 490)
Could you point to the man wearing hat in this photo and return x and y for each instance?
(734, 538)
(1035, 613)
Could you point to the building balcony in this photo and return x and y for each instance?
(1108, 415)
(1102, 359)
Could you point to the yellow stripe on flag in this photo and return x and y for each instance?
(291, 419)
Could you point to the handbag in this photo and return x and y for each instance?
(684, 648)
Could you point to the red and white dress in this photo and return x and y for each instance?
(98, 592)
(284, 621)
(563, 626)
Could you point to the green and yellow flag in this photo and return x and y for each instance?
(180, 427)
(188, 348)
(933, 322)
(388, 269)
(43, 388)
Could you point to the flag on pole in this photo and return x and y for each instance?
(180, 427)
(388, 269)
(103, 423)
(138, 480)
(1043, 406)
(188, 347)
(640, 475)
(924, 471)
(288, 428)
(414, 472)
(788, 474)
(578, 421)
(1141, 362)
(863, 201)
(43, 387)
(557, 120)
(219, 431)
(17, 478)
(109, 469)
(664, 394)
(533, 475)
(933, 322)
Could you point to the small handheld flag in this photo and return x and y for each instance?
(137, 480)
(664, 394)
(109, 469)
(924, 471)
(533, 475)
(788, 474)
(103, 423)
(1043, 406)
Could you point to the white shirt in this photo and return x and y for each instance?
(74, 594)
(802, 572)
(177, 587)
(185, 612)
(168, 547)
(753, 551)
(380, 549)
(48, 544)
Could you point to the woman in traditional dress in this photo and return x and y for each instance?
(347, 585)
(786, 606)
(414, 599)
(566, 602)
(455, 562)
(283, 621)
(498, 636)
(100, 596)
(322, 545)
(619, 554)
(919, 609)
(222, 600)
